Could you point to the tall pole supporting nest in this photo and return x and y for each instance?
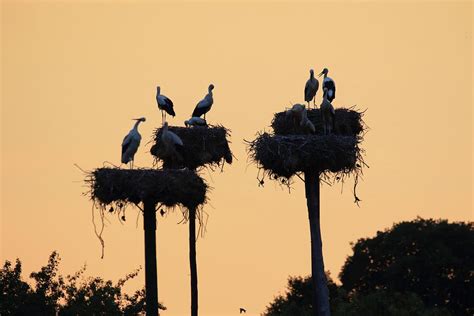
(290, 150)
(320, 293)
(202, 146)
(169, 187)
(192, 261)
(151, 282)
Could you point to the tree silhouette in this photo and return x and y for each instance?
(400, 271)
(71, 295)
(297, 301)
(431, 258)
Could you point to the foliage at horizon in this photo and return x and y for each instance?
(74, 294)
(417, 268)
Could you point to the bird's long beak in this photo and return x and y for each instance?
(321, 73)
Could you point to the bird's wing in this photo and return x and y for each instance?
(176, 139)
(202, 103)
(166, 104)
(126, 142)
(206, 102)
(307, 94)
(166, 100)
(200, 109)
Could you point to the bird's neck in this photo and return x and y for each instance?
(135, 127)
(325, 75)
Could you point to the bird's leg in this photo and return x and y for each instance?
(314, 102)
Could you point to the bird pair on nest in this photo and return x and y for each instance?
(166, 107)
(327, 110)
(312, 86)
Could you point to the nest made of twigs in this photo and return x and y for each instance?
(167, 187)
(347, 122)
(203, 145)
(286, 155)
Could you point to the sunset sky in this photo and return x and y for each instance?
(74, 73)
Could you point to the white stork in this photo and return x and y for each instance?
(297, 112)
(329, 84)
(131, 142)
(311, 88)
(164, 104)
(170, 140)
(327, 114)
(300, 117)
(195, 121)
(205, 104)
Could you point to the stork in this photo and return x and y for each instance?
(195, 121)
(205, 104)
(297, 111)
(327, 114)
(131, 142)
(164, 104)
(329, 84)
(311, 88)
(300, 117)
(171, 141)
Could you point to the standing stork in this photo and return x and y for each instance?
(329, 84)
(311, 88)
(205, 104)
(131, 142)
(327, 114)
(164, 104)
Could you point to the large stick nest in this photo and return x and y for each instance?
(168, 187)
(347, 122)
(202, 146)
(286, 155)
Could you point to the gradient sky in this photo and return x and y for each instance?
(75, 72)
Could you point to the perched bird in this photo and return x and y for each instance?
(311, 88)
(205, 104)
(195, 121)
(329, 84)
(164, 104)
(297, 112)
(308, 126)
(300, 118)
(131, 142)
(327, 113)
(171, 141)
(242, 310)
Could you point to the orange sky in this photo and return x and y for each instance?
(74, 74)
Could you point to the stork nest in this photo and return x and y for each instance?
(112, 186)
(282, 156)
(202, 146)
(347, 122)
